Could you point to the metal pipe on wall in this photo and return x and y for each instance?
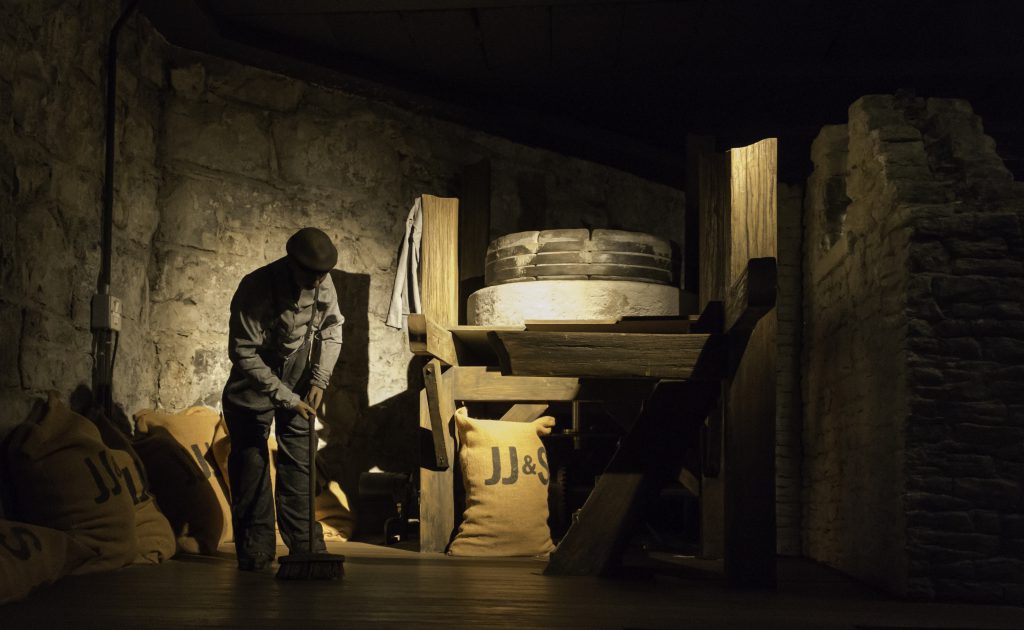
(106, 309)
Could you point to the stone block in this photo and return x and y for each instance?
(10, 332)
(986, 521)
(255, 87)
(334, 155)
(994, 247)
(988, 493)
(927, 501)
(929, 257)
(189, 81)
(986, 434)
(969, 591)
(218, 137)
(1004, 349)
(942, 521)
(988, 267)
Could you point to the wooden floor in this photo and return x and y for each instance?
(391, 588)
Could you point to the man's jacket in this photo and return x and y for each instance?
(270, 320)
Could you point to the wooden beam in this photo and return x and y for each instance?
(437, 490)
(582, 354)
(714, 216)
(751, 296)
(696, 147)
(416, 325)
(316, 7)
(479, 384)
(594, 542)
(749, 446)
(524, 412)
(440, 342)
(713, 191)
(474, 229)
(440, 274)
(435, 392)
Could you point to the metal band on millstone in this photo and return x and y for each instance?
(578, 254)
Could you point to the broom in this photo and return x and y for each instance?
(311, 565)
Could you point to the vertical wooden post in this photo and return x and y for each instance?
(713, 246)
(696, 146)
(440, 274)
(437, 496)
(749, 448)
(474, 230)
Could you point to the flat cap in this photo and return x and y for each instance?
(312, 249)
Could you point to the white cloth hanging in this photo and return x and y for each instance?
(405, 297)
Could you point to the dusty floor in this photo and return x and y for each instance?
(392, 588)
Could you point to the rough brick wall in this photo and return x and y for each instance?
(913, 335)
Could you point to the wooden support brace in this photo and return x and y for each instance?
(437, 491)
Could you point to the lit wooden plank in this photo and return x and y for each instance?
(440, 274)
(584, 354)
(749, 436)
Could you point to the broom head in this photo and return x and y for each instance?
(311, 566)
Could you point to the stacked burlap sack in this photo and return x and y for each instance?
(84, 498)
(78, 499)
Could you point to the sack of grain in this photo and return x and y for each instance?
(505, 474)
(179, 458)
(64, 477)
(32, 557)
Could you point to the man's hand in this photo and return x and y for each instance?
(315, 397)
(304, 410)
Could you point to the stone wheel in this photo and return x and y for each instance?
(578, 255)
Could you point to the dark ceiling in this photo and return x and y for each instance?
(623, 82)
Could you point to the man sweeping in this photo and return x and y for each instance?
(284, 339)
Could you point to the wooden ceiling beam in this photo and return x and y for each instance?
(276, 7)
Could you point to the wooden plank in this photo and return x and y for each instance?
(751, 295)
(437, 490)
(417, 331)
(696, 147)
(594, 542)
(474, 229)
(440, 273)
(599, 354)
(668, 325)
(478, 384)
(714, 217)
(749, 446)
(524, 412)
(440, 342)
(482, 384)
(432, 384)
(713, 209)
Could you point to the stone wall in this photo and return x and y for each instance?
(248, 157)
(913, 337)
(51, 174)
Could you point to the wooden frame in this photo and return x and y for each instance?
(726, 361)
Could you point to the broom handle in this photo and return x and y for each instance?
(312, 432)
(312, 480)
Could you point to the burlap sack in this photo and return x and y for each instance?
(189, 487)
(505, 474)
(32, 557)
(153, 531)
(334, 512)
(64, 477)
